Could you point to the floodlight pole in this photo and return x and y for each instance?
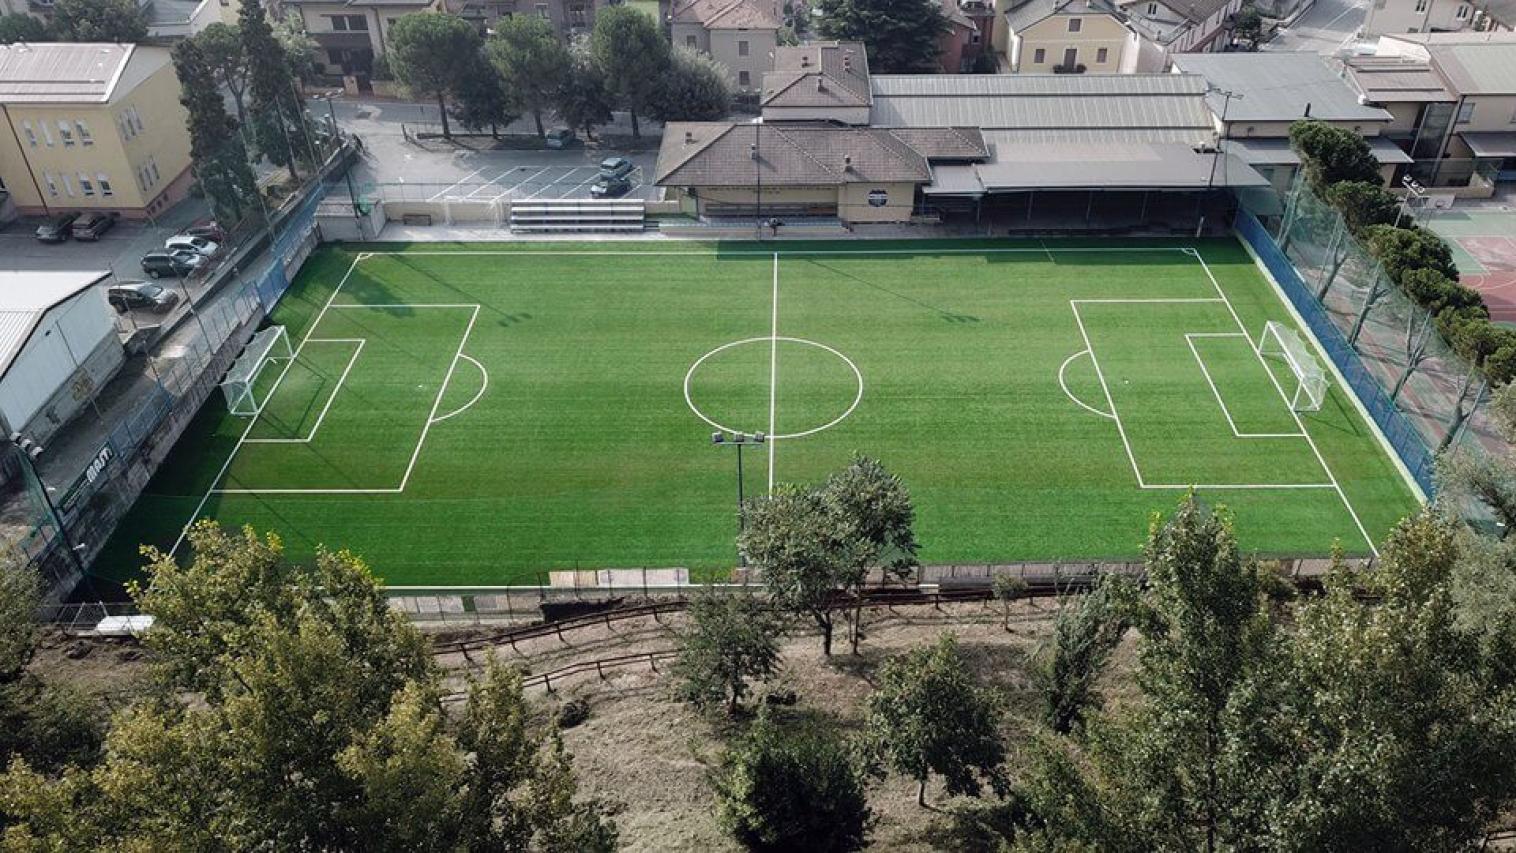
(1210, 181)
(1414, 191)
(739, 440)
(25, 449)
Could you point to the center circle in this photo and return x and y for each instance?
(742, 369)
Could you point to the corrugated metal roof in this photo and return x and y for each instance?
(1028, 85)
(1193, 137)
(1042, 102)
(61, 72)
(1397, 79)
(25, 296)
(1124, 166)
(1278, 87)
(1278, 152)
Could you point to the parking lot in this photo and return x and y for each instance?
(531, 181)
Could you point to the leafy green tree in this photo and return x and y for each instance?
(1007, 588)
(216, 148)
(902, 36)
(694, 88)
(221, 45)
(633, 55)
(1249, 25)
(532, 61)
(424, 51)
(1401, 250)
(1481, 475)
(583, 102)
(481, 100)
(1490, 353)
(299, 47)
(19, 26)
(1087, 630)
(779, 790)
(20, 596)
(278, 119)
(1332, 154)
(789, 541)
(872, 520)
(1362, 204)
(122, 21)
(731, 639)
(929, 715)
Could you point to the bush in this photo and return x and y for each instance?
(573, 712)
(381, 70)
(780, 790)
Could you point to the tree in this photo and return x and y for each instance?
(299, 47)
(280, 131)
(216, 148)
(123, 21)
(730, 640)
(1363, 204)
(583, 102)
(1333, 154)
(1489, 351)
(302, 712)
(221, 45)
(789, 542)
(902, 36)
(1085, 633)
(20, 596)
(424, 51)
(929, 715)
(1401, 250)
(1435, 294)
(782, 790)
(482, 101)
(633, 54)
(694, 88)
(1007, 588)
(1249, 25)
(532, 61)
(19, 26)
(871, 517)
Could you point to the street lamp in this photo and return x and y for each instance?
(1414, 191)
(29, 450)
(739, 440)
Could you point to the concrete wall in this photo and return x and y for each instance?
(1051, 36)
(1390, 17)
(726, 47)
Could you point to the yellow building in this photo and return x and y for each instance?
(92, 127)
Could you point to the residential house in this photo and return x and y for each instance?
(1397, 17)
(351, 34)
(570, 18)
(821, 81)
(1172, 27)
(970, 25)
(1256, 97)
(1453, 96)
(92, 127)
(741, 35)
(1065, 36)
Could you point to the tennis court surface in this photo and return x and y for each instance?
(478, 415)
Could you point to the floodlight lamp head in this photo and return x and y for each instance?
(16, 437)
(717, 438)
(758, 437)
(35, 451)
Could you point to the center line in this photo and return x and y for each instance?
(773, 371)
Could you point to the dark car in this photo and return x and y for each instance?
(57, 229)
(207, 228)
(610, 187)
(162, 262)
(130, 295)
(94, 225)
(615, 167)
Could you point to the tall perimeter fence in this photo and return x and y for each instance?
(1385, 346)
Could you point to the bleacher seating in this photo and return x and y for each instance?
(566, 214)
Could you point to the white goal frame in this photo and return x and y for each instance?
(1310, 377)
(267, 347)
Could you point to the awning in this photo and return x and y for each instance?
(1496, 143)
(1277, 151)
(342, 41)
(958, 180)
(1112, 166)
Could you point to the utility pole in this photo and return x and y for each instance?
(1210, 181)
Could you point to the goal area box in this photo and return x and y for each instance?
(1280, 341)
(244, 396)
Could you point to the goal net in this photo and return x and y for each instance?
(1282, 342)
(245, 395)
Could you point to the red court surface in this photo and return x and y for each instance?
(1497, 283)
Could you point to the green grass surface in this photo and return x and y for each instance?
(581, 451)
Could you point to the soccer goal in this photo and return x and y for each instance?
(1310, 379)
(244, 395)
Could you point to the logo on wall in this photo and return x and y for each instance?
(878, 198)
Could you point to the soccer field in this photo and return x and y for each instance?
(478, 415)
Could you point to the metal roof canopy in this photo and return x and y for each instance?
(1023, 102)
(1278, 87)
(26, 296)
(1107, 166)
(1495, 143)
(1277, 152)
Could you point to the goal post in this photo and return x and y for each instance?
(1282, 342)
(244, 395)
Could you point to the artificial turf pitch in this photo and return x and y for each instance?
(477, 415)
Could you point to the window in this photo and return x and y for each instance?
(47, 135)
(350, 23)
(1465, 112)
(744, 79)
(542, 10)
(31, 135)
(105, 184)
(1070, 58)
(1152, 9)
(52, 185)
(742, 48)
(1075, 24)
(576, 15)
(152, 165)
(85, 185)
(84, 134)
(1102, 54)
(1462, 13)
(134, 119)
(689, 41)
(1421, 6)
(1039, 56)
(68, 186)
(66, 134)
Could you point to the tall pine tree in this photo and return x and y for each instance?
(216, 148)
(279, 129)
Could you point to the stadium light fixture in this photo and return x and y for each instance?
(739, 440)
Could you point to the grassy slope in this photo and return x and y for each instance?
(583, 452)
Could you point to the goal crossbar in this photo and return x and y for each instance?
(1310, 378)
(240, 384)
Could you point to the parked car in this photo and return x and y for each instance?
(161, 262)
(94, 225)
(610, 187)
(210, 229)
(615, 167)
(57, 229)
(560, 137)
(191, 243)
(130, 295)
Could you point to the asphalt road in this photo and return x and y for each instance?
(1329, 26)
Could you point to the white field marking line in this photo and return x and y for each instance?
(1110, 403)
(1044, 246)
(1204, 371)
(740, 253)
(406, 305)
(1240, 486)
(484, 375)
(1158, 301)
(1070, 394)
(352, 360)
(444, 191)
(857, 374)
(253, 421)
(1286, 399)
(774, 371)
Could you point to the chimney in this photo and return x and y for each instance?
(752, 150)
(847, 162)
(1307, 109)
(805, 60)
(689, 138)
(819, 86)
(847, 60)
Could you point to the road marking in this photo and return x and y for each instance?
(458, 183)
